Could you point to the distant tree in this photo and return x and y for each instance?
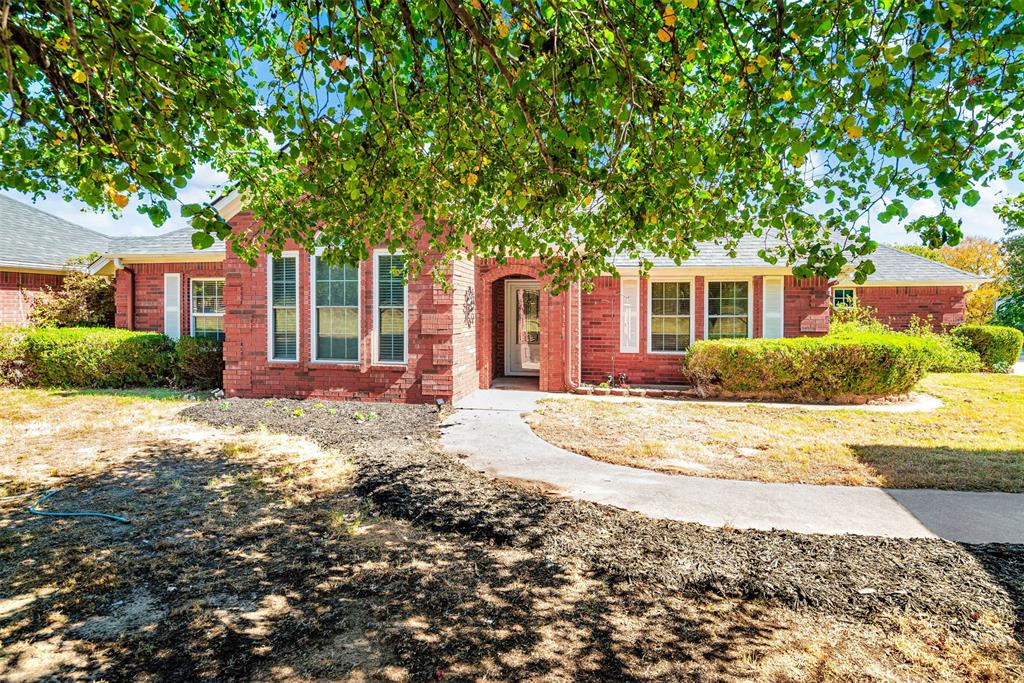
(919, 250)
(983, 257)
(83, 300)
(1011, 212)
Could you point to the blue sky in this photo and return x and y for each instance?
(979, 220)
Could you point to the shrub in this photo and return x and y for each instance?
(199, 363)
(95, 357)
(12, 340)
(83, 300)
(949, 352)
(853, 368)
(999, 347)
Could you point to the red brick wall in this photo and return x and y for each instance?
(806, 312)
(895, 306)
(18, 292)
(463, 342)
(427, 374)
(149, 293)
(600, 337)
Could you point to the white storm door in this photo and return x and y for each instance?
(522, 327)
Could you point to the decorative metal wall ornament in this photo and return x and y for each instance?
(469, 306)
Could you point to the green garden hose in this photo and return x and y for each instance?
(46, 493)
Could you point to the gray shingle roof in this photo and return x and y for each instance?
(173, 242)
(30, 238)
(891, 265)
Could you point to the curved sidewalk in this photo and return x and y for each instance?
(487, 428)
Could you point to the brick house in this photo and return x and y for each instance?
(296, 326)
(34, 251)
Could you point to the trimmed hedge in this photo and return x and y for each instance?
(106, 358)
(95, 357)
(853, 368)
(199, 362)
(999, 347)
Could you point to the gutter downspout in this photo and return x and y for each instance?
(119, 265)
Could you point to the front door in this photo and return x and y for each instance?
(522, 327)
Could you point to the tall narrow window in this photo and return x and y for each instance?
(728, 310)
(336, 335)
(390, 305)
(670, 317)
(208, 309)
(284, 323)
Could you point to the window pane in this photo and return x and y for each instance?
(207, 296)
(285, 338)
(337, 334)
(210, 327)
(670, 311)
(283, 281)
(391, 328)
(390, 281)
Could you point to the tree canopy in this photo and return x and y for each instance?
(569, 130)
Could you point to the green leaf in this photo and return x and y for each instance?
(972, 197)
(202, 240)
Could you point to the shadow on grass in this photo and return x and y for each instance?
(958, 469)
(152, 393)
(234, 568)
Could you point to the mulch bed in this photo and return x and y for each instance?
(841, 575)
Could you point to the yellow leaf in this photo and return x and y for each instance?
(663, 35)
(787, 96)
(690, 54)
(62, 44)
(526, 24)
(339, 64)
(301, 46)
(672, 76)
(690, 4)
(794, 36)
(587, 200)
(79, 76)
(854, 131)
(502, 30)
(762, 61)
(476, 5)
(700, 45)
(750, 68)
(133, 188)
(669, 16)
(471, 178)
(726, 78)
(185, 7)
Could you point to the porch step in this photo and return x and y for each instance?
(678, 391)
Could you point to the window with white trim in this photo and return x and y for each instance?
(284, 319)
(390, 301)
(670, 317)
(207, 306)
(728, 310)
(336, 314)
(842, 297)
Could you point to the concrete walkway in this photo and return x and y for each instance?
(487, 428)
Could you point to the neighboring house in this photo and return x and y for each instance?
(34, 251)
(294, 326)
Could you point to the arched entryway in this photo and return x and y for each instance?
(524, 332)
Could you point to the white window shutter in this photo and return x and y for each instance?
(774, 302)
(172, 305)
(629, 315)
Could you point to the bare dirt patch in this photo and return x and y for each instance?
(360, 551)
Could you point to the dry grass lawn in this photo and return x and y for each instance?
(250, 557)
(975, 442)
